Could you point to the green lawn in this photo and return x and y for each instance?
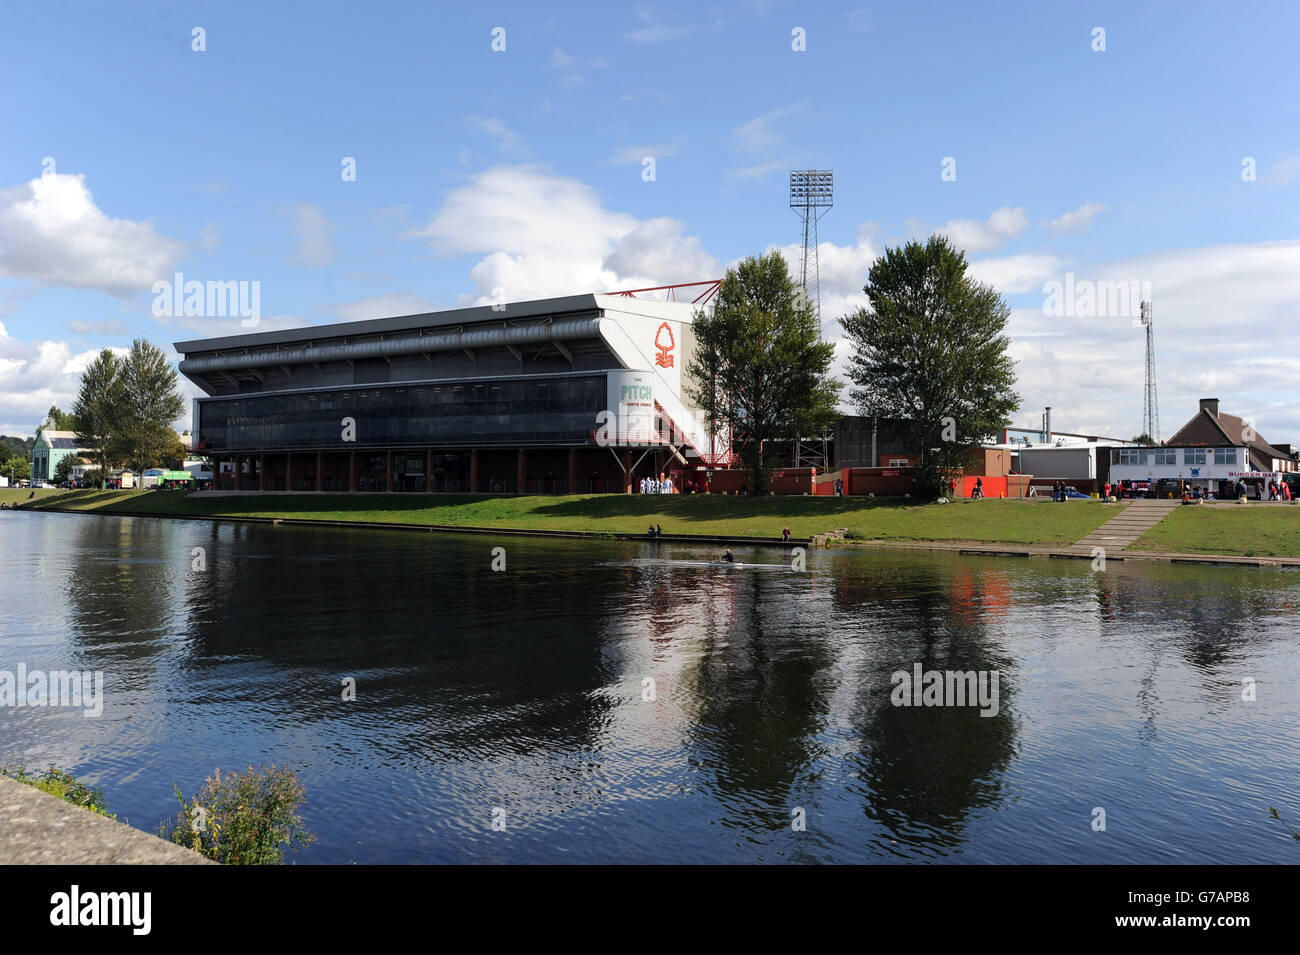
(1248, 530)
(1022, 522)
(16, 495)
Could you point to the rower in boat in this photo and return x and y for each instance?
(727, 557)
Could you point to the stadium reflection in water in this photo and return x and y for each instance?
(624, 710)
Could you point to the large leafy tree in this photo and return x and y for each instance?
(931, 349)
(760, 368)
(98, 405)
(148, 404)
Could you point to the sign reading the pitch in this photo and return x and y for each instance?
(636, 406)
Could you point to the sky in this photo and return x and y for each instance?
(361, 160)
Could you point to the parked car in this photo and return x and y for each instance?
(1072, 491)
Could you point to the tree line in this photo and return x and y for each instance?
(929, 349)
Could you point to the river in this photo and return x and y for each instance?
(508, 715)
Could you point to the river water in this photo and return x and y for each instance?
(508, 715)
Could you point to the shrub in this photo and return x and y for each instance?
(63, 786)
(245, 818)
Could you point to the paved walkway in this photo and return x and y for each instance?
(37, 828)
(1125, 527)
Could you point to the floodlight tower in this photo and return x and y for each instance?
(1150, 407)
(811, 197)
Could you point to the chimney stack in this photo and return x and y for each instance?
(1211, 405)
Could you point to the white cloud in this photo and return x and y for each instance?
(314, 232)
(1076, 220)
(52, 231)
(657, 252)
(1016, 274)
(974, 236)
(35, 375)
(757, 134)
(541, 234)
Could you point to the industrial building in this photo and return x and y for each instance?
(576, 394)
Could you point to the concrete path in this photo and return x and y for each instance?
(1125, 527)
(37, 828)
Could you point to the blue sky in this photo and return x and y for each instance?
(521, 170)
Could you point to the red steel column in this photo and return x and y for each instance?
(627, 472)
(320, 472)
(573, 471)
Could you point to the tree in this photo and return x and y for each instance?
(15, 469)
(98, 405)
(149, 403)
(931, 350)
(1142, 438)
(63, 470)
(59, 421)
(760, 368)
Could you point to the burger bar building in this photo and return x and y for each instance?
(564, 395)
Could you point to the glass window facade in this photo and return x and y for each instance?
(464, 414)
(1225, 455)
(1194, 457)
(1164, 456)
(1129, 456)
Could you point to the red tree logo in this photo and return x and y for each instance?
(664, 359)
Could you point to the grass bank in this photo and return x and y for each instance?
(19, 495)
(1243, 530)
(994, 521)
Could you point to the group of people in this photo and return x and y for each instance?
(659, 485)
(665, 485)
(1279, 491)
(1059, 493)
(656, 530)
